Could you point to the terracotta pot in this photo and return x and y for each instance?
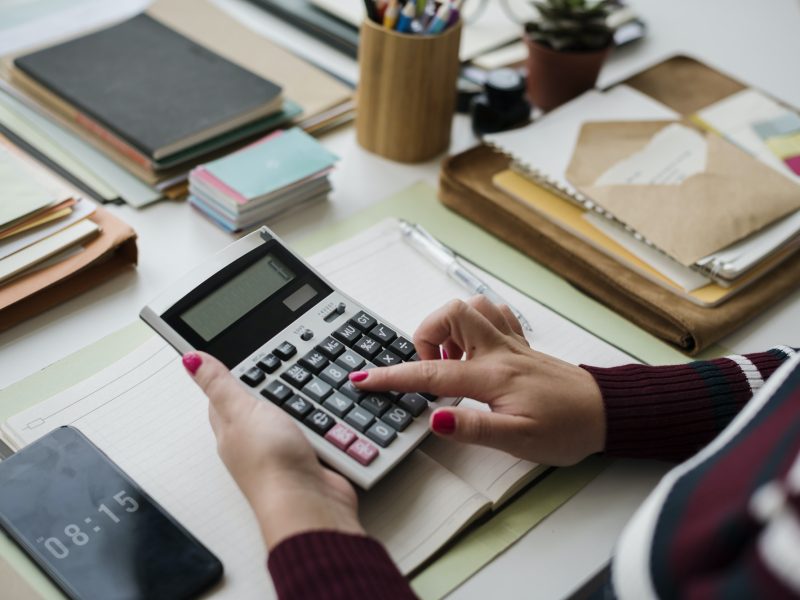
(557, 76)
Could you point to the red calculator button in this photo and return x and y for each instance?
(340, 436)
(363, 451)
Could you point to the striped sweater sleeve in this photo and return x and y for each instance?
(329, 565)
(670, 412)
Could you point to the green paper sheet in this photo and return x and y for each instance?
(417, 203)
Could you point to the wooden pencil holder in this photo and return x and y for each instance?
(406, 92)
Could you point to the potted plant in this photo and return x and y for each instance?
(566, 48)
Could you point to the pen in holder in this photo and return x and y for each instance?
(406, 91)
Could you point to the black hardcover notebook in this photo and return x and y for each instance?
(150, 86)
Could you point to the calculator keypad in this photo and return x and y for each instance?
(296, 375)
(326, 394)
(314, 361)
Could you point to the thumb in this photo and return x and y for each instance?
(472, 426)
(224, 393)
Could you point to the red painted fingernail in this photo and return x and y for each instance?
(443, 421)
(445, 356)
(192, 362)
(358, 375)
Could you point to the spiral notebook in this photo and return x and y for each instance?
(565, 131)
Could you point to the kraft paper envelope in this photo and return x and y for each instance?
(735, 196)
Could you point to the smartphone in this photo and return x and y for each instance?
(93, 530)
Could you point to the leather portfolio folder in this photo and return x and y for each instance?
(466, 187)
(110, 252)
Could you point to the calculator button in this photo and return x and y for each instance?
(253, 376)
(387, 359)
(414, 357)
(285, 351)
(277, 391)
(402, 347)
(334, 374)
(331, 347)
(269, 363)
(413, 403)
(319, 422)
(427, 396)
(359, 418)
(314, 361)
(377, 404)
(383, 334)
(395, 396)
(317, 390)
(341, 436)
(347, 334)
(350, 360)
(298, 407)
(306, 335)
(381, 433)
(351, 391)
(296, 375)
(364, 321)
(367, 347)
(338, 404)
(397, 418)
(362, 451)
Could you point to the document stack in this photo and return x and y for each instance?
(40, 220)
(702, 206)
(283, 172)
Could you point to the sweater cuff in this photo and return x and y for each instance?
(669, 413)
(330, 565)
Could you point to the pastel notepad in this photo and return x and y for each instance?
(269, 166)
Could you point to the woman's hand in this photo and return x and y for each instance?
(542, 409)
(271, 460)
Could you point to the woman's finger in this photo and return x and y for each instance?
(440, 377)
(459, 322)
(491, 311)
(224, 393)
(485, 428)
(512, 320)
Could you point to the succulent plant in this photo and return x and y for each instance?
(571, 25)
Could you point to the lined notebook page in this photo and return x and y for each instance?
(151, 419)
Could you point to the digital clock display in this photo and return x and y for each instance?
(91, 527)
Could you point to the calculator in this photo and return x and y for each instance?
(291, 338)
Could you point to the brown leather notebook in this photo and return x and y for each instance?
(466, 187)
(104, 256)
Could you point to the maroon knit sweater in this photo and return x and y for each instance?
(707, 541)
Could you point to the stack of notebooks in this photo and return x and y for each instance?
(283, 172)
(698, 205)
(53, 243)
(170, 88)
(41, 221)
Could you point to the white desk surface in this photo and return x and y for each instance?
(754, 40)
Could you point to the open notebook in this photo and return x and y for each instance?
(148, 416)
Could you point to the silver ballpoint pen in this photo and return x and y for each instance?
(443, 257)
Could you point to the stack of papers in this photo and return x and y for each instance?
(285, 171)
(650, 185)
(40, 221)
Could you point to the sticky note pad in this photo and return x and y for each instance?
(785, 146)
(794, 164)
(779, 126)
(271, 165)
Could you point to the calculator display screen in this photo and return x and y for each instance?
(217, 311)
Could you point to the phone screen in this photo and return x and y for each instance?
(92, 528)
